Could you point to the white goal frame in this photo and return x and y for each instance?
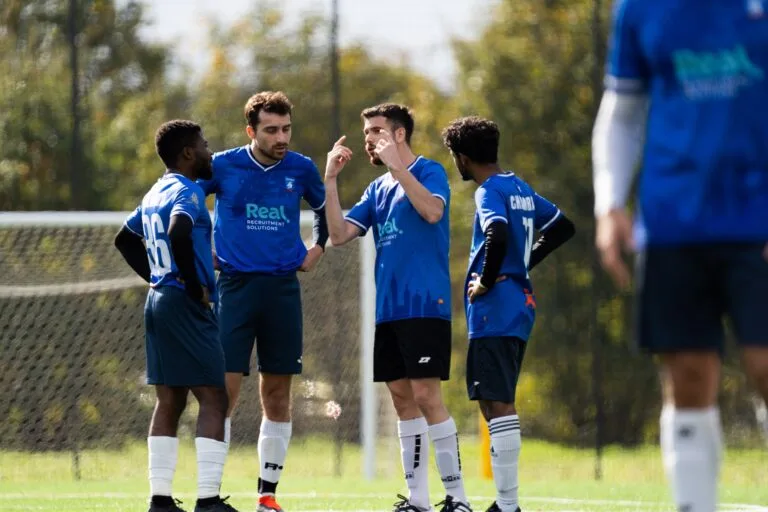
(368, 398)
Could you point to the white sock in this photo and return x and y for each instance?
(414, 452)
(211, 456)
(505, 453)
(163, 453)
(446, 442)
(227, 430)
(692, 445)
(273, 445)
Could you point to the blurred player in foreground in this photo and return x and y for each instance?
(687, 88)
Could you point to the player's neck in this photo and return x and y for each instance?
(187, 173)
(260, 157)
(407, 156)
(483, 172)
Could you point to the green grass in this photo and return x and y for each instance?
(552, 478)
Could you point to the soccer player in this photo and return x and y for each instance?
(686, 86)
(167, 241)
(499, 301)
(408, 209)
(259, 249)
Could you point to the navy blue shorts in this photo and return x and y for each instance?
(685, 293)
(493, 368)
(182, 341)
(265, 310)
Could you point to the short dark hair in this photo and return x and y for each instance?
(474, 137)
(172, 137)
(399, 115)
(273, 102)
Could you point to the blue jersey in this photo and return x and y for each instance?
(412, 279)
(508, 309)
(174, 194)
(257, 212)
(703, 66)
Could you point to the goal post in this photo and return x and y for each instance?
(72, 340)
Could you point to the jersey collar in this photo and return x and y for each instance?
(259, 164)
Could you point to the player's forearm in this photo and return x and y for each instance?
(180, 235)
(134, 253)
(495, 251)
(320, 228)
(617, 141)
(333, 214)
(430, 208)
(558, 233)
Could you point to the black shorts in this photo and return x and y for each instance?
(684, 293)
(493, 368)
(414, 348)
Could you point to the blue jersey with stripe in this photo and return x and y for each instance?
(174, 194)
(412, 277)
(257, 210)
(508, 309)
(703, 66)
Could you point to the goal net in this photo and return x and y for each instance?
(72, 364)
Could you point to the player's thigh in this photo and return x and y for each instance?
(493, 368)
(238, 300)
(388, 362)
(279, 326)
(187, 340)
(679, 300)
(425, 345)
(746, 281)
(154, 363)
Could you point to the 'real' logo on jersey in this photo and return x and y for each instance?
(388, 232)
(717, 74)
(265, 218)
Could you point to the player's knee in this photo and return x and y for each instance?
(756, 366)
(427, 396)
(691, 380)
(276, 401)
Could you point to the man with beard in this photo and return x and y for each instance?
(259, 249)
(408, 209)
(167, 241)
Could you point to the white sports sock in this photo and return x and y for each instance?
(163, 453)
(414, 452)
(505, 454)
(211, 456)
(446, 441)
(227, 429)
(692, 445)
(274, 438)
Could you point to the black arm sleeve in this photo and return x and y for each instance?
(495, 250)
(556, 235)
(320, 228)
(180, 234)
(131, 246)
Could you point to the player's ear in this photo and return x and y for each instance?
(250, 131)
(400, 135)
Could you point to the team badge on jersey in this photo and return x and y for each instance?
(755, 9)
(195, 200)
(289, 183)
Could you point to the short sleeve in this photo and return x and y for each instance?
(435, 179)
(546, 213)
(187, 202)
(133, 222)
(491, 206)
(627, 68)
(211, 186)
(361, 215)
(314, 191)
